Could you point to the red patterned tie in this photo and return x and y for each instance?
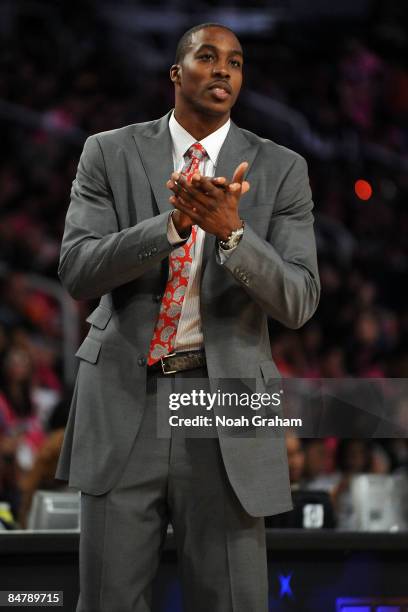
(164, 336)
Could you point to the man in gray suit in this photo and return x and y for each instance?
(250, 257)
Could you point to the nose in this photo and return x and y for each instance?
(221, 70)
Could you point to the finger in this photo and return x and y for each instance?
(173, 186)
(235, 189)
(191, 192)
(239, 172)
(177, 200)
(176, 182)
(173, 200)
(186, 209)
(245, 187)
(205, 185)
(179, 189)
(191, 205)
(219, 181)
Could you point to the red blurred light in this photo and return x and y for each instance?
(363, 189)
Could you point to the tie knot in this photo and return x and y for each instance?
(196, 150)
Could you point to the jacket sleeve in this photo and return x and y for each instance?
(95, 256)
(281, 273)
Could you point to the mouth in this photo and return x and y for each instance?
(220, 90)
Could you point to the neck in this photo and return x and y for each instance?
(198, 124)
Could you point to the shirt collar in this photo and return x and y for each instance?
(182, 140)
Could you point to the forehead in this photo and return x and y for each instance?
(223, 39)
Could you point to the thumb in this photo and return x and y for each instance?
(239, 172)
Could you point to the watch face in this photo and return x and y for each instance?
(233, 239)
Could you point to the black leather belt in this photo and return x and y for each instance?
(178, 362)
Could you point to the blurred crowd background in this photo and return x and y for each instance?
(331, 85)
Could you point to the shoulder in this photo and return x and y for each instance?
(122, 134)
(268, 151)
(108, 149)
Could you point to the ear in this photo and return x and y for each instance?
(175, 73)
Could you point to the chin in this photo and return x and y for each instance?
(214, 110)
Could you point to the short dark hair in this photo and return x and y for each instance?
(185, 40)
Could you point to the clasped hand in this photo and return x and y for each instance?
(210, 203)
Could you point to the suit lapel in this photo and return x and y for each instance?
(236, 149)
(155, 149)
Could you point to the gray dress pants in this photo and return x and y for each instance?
(221, 549)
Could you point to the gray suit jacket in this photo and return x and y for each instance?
(115, 248)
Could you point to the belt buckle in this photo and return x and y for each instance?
(163, 364)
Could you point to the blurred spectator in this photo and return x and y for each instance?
(318, 463)
(355, 457)
(316, 458)
(21, 430)
(296, 460)
(41, 475)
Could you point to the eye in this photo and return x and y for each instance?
(206, 56)
(236, 63)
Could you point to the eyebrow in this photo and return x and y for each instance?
(214, 48)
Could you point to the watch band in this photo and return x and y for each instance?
(233, 239)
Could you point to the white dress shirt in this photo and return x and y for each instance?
(189, 333)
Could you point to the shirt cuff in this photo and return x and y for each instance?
(172, 234)
(225, 253)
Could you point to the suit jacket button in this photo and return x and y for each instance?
(141, 361)
(157, 298)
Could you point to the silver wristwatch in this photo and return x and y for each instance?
(232, 239)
